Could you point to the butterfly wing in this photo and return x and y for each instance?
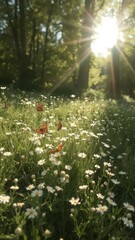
(39, 107)
(39, 131)
(58, 149)
(59, 126)
(44, 128)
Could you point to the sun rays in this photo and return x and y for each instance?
(100, 40)
(106, 36)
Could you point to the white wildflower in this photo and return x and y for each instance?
(58, 188)
(14, 188)
(41, 162)
(107, 164)
(39, 150)
(30, 187)
(83, 187)
(47, 233)
(115, 181)
(89, 172)
(74, 201)
(41, 185)
(68, 167)
(100, 196)
(109, 200)
(122, 173)
(50, 189)
(82, 155)
(37, 193)
(3, 88)
(109, 173)
(101, 209)
(7, 154)
(129, 207)
(4, 198)
(111, 194)
(97, 166)
(96, 156)
(44, 173)
(31, 212)
(127, 222)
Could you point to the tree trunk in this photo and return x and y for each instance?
(26, 74)
(115, 73)
(114, 89)
(83, 76)
(17, 22)
(42, 78)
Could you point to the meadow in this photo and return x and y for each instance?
(67, 167)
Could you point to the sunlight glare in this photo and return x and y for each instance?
(105, 37)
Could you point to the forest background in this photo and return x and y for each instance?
(47, 45)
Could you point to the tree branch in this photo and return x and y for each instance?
(100, 7)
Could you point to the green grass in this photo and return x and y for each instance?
(83, 192)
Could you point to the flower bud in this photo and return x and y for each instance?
(18, 231)
(47, 233)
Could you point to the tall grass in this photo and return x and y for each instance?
(84, 191)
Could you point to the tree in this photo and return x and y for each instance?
(90, 11)
(118, 54)
(17, 21)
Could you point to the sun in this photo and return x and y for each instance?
(105, 37)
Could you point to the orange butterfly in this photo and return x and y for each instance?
(59, 126)
(43, 130)
(58, 149)
(39, 107)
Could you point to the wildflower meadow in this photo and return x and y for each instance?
(67, 167)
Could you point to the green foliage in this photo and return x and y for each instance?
(41, 43)
(83, 191)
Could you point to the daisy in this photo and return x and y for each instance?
(127, 222)
(4, 198)
(129, 207)
(83, 187)
(82, 155)
(111, 194)
(2, 88)
(50, 189)
(115, 181)
(74, 201)
(31, 212)
(101, 209)
(41, 185)
(100, 196)
(7, 154)
(37, 193)
(18, 204)
(30, 187)
(44, 173)
(89, 172)
(41, 162)
(109, 200)
(68, 167)
(39, 150)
